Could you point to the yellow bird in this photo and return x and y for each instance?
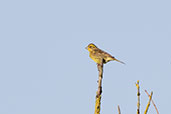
(99, 55)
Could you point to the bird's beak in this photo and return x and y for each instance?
(86, 48)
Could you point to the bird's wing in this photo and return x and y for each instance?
(105, 54)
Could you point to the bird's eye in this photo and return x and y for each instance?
(90, 46)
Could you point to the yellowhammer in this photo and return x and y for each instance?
(98, 55)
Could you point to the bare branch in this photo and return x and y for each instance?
(152, 102)
(138, 95)
(148, 105)
(99, 91)
(119, 111)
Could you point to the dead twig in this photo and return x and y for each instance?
(99, 91)
(119, 111)
(148, 105)
(138, 95)
(152, 102)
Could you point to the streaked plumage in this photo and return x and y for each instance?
(97, 55)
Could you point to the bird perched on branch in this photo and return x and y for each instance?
(99, 55)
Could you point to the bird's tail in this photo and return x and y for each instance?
(119, 61)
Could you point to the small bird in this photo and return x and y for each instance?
(99, 55)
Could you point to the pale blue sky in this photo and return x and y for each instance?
(45, 68)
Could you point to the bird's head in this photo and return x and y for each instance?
(91, 47)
